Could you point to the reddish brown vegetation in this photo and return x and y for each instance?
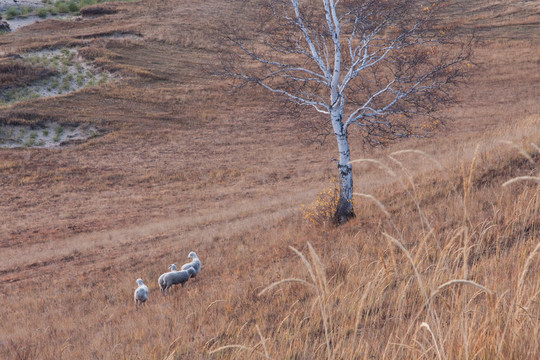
(16, 73)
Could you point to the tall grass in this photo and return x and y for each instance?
(463, 284)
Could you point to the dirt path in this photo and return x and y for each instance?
(156, 239)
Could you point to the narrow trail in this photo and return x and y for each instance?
(111, 248)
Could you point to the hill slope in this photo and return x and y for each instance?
(185, 165)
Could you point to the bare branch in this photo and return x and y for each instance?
(315, 54)
(386, 66)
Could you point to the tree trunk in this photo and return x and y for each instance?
(344, 210)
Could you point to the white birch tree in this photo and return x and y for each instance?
(382, 67)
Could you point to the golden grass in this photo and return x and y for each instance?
(468, 297)
(459, 281)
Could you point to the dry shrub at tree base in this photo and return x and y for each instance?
(321, 211)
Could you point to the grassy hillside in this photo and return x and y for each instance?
(442, 260)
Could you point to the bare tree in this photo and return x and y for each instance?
(382, 67)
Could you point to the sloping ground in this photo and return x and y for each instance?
(189, 166)
(84, 283)
(513, 19)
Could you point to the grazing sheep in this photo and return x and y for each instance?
(177, 277)
(161, 283)
(141, 293)
(195, 263)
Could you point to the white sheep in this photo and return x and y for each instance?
(161, 283)
(195, 263)
(141, 293)
(177, 277)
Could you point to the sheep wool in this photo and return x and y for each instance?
(177, 277)
(195, 263)
(141, 293)
(161, 283)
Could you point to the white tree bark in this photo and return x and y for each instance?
(344, 210)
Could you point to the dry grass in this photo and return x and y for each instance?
(455, 277)
(17, 73)
(449, 271)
